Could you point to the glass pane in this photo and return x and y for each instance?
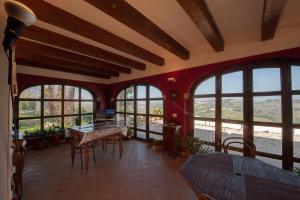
(86, 95)
(141, 122)
(206, 87)
(232, 130)
(129, 106)
(297, 143)
(30, 125)
(204, 107)
(31, 93)
(204, 130)
(267, 109)
(155, 136)
(71, 92)
(50, 122)
(156, 107)
(52, 91)
(29, 108)
(268, 139)
(156, 124)
(267, 79)
(120, 118)
(87, 107)
(52, 108)
(121, 95)
(71, 107)
(120, 106)
(141, 92)
(141, 107)
(86, 119)
(130, 93)
(141, 134)
(295, 77)
(232, 108)
(296, 109)
(155, 92)
(130, 120)
(70, 121)
(232, 83)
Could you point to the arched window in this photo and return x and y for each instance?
(141, 107)
(62, 105)
(259, 103)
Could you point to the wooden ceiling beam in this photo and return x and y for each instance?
(271, 14)
(42, 65)
(199, 13)
(128, 15)
(49, 37)
(41, 49)
(65, 20)
(24, 54)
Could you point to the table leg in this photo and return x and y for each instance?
(86, 156)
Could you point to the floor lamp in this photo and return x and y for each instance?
(19, 16)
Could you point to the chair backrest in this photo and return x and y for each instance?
(238, 140)
(75, 137)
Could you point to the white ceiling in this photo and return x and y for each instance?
(238, 20)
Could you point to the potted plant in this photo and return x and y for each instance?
(297, 171)
(129, 134)
(36, 139)
(53, 133)
(194, 145)
(77, 121)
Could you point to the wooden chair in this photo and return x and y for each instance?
(238, 140)
(113, 140)
(76, 148)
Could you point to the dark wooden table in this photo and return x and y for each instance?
(227, 176)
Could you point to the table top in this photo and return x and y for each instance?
(93, 132)
(227, 176)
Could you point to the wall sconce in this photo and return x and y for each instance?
(174, 115)
(186, 95)
(171, 79)
(112, 99)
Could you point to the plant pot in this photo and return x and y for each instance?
(55, 138)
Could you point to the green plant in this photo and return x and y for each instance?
(195, 145)
(297, 171)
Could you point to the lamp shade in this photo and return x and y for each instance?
(20, 12)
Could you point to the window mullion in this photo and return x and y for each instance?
(42, 107)
(287, 117)
(218, 113)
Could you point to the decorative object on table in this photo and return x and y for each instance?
(194, 145)
(77, 121)
(228, 176)
(250, 146)
(173, 95)
(172, 139)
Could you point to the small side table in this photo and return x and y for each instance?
(172, 139)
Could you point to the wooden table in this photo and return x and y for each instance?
(95, 132)
(226, 176)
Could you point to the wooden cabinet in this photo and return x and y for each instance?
(172, 139)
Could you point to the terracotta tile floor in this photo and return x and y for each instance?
(141, 174)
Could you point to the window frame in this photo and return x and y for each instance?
(62, 100)
(135, 113)
(248, 95)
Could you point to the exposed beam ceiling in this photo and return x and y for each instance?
(49, 37)
(58, 17)
(41, 49)
(28, 60)
(271, 14)
(128, 15)
(199, 13)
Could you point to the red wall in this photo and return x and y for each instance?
(99, 90)
(187, 79)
